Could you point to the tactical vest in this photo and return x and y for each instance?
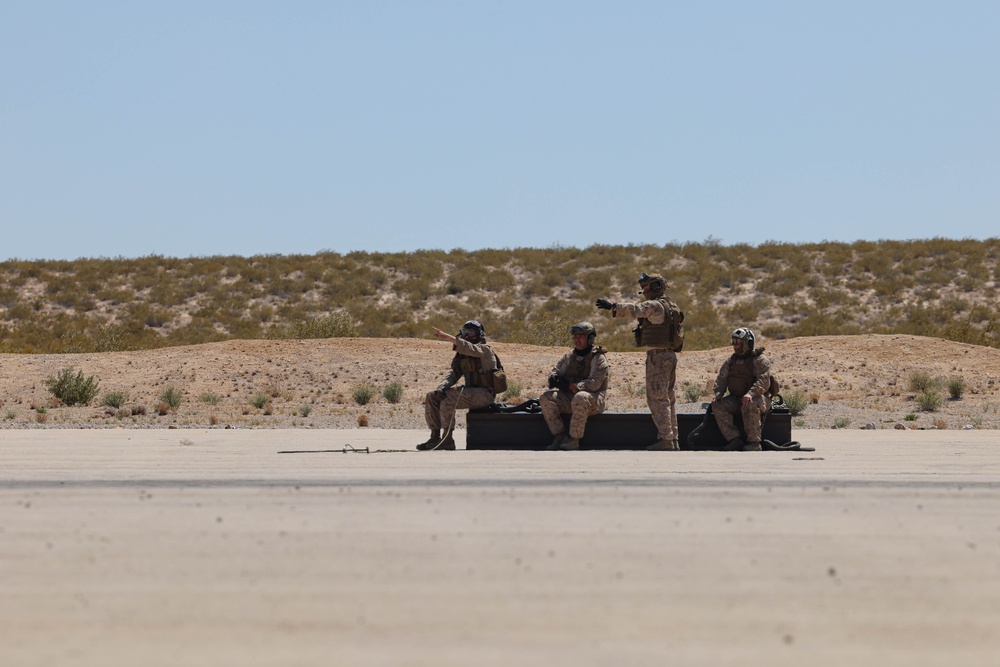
(471, 369)
(741, 374)
(669, 334)
(579, 368)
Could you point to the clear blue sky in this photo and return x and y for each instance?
(202, 128)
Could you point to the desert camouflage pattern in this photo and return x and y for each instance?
(463, 366)
(581, 405)
(661, 369)
(440, 405)
(590, 399)
(727, 409)
(748, 375)
(661, 375)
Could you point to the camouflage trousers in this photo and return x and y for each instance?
(661, 374)
(726, 410)
(440, 405)
(581, 405)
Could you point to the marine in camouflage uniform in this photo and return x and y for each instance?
(661, 354)
(746, 376)
(475, 363)
(578, 385)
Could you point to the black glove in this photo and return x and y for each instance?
(557, 381)
(604, 304)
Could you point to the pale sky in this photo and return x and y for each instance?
(214, 128)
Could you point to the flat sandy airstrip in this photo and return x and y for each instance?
(212, 547)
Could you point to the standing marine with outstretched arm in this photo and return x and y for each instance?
(661, 333)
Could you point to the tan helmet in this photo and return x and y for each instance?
(585, 328)
(652, 286)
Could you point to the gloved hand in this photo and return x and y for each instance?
(604, 304)
(557, 381)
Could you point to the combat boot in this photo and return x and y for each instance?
(664, 445)
(569, 444)
(447, 442)
(734, 445)
(751, 447)
(557, 441)
(434, 439)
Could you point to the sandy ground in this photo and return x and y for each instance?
(851, 380)
(209, 547)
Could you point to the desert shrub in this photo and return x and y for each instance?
(940, 424)
(113, 399)
(338, 325)
(956, 387)
(921, 381)
(210, 397)
(362, 421)
(841, 422)
(548, 331)
(393, 392)
(636, 390)
(9, 414)
(72, 389)
(692, 393)
(910, 417)
(363, 393)
(305, 409)
(259, 400)
(796, 401)
(513, 391)
(172, 396)
(112, 338)
(929, 400)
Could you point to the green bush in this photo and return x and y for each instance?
(393, 393)
(172, 396)
(72, 389)
(921, 381)
(338, 325)
(929, 400)
(692, 393)
(363, 393)
(210, 397)
(796, 401)
(513, 391)
(956, 388)
(113, 399)
(259, 400)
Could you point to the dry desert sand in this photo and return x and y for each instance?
(855, 380)
(209, 546)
